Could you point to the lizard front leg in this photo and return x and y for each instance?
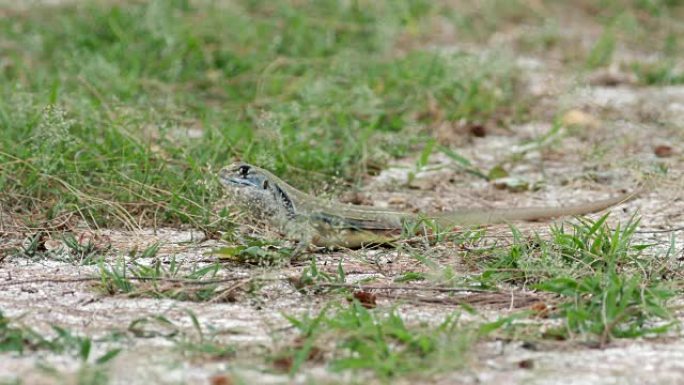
(302, 232)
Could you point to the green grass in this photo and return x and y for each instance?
(660, 73)
(82, 251)
(608, 287)
(22, 339)
(97, 100)
(378, 341)
(120, 114)
(155, 280)
(198, 343)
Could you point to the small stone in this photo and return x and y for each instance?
(577, 118)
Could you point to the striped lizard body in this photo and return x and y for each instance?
(316, 221)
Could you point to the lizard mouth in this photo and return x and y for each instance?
(240, 182)
(228, 180)
(237, 182)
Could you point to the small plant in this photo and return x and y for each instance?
(611, 305)
(609, 290)
(158, 281)
(32, 247)
(610, 294)
(312, 276)
(82, 252)
(602, 52)
(510, 264)
(78, 251)
(255, 252)
(597, 246)
(410, 276)
(197, 345)
(660, 73)
(379, 341)
(588, 246)
(149, 252)
(21, 338)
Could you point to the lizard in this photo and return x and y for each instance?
(316, 221)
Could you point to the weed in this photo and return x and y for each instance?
(380, 341)
(660, 73)
(602, 52)
(33, 247)
(81, 251)
(591, 245)
(597, 269)
(149, 252)
(254, 251)
(611, 305)
(612, 294)
(410, 276)
(311, 276)
(196, 345)
(158, 281)
(276, 85)
(21, 338)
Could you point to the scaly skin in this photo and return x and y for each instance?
(324, 223)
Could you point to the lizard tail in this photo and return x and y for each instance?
(474, 217)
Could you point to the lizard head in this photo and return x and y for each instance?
(256, 188)
(244, 176)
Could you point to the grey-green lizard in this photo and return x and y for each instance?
(316, 221)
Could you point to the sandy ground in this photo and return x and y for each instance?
(611, 147)
(256, 322)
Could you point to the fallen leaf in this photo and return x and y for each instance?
(220, 379)
(663, 151)
(540, 309)
(366, 298)
(526, 364)
(284, 363)
(478, 130)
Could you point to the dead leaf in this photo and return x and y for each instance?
(366, 298)
(663, 151)
(284, 363)
(526, 364)
(478, 130)
(220, 379)
(540, 309)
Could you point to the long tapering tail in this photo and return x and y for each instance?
(474, 217)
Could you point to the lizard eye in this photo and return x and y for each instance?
(265, 185)
(243, 170)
